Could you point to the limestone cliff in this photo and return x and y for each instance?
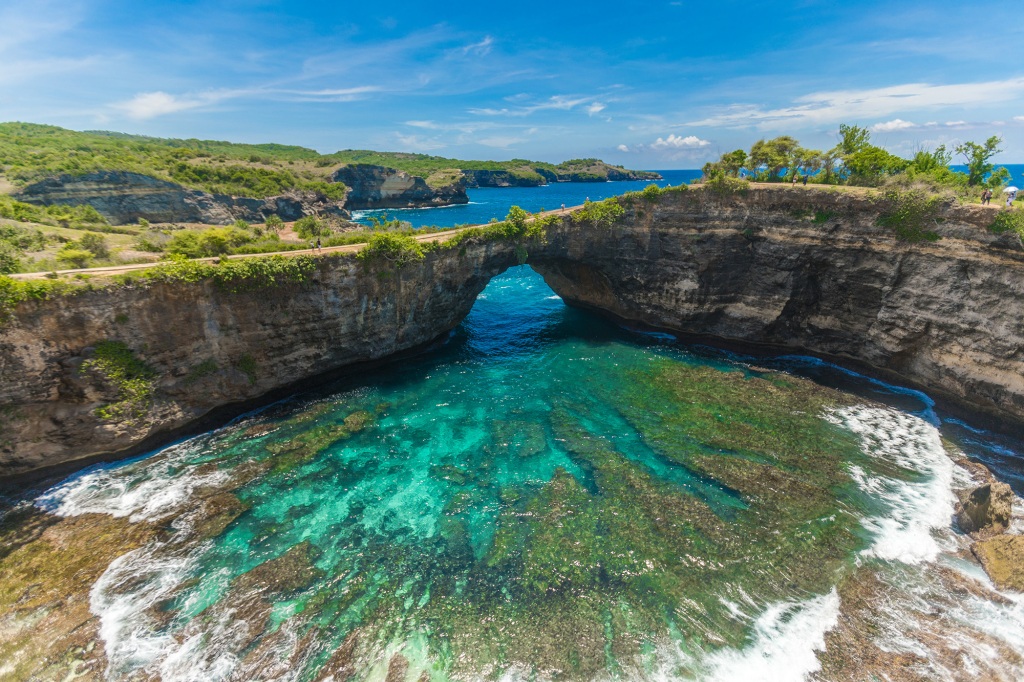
(204, 347)
(123, 198)
(372, 187)
(812, 271)
(794, 270)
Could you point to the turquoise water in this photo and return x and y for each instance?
(486, 203)
(548, 496)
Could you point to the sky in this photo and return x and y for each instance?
(658, 84)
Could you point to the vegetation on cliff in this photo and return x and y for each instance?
(855, 161)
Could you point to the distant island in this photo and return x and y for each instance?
(127, 178)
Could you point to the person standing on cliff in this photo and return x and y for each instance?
(318, 247)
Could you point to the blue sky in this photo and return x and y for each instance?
(650, 85)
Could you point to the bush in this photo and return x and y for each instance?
(273, 222)
(116, 364)
(310, 227)
(1008, 221)
(599, 213)
(215, 241)
(9, 261)
(94, 244)
(393, 248)
(74, 258)
(911, 214)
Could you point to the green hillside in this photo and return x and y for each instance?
(30, 152)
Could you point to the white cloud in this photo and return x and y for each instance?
(895, 124)
(500, 141)
(679, 142)
(416, 143)
(1019, 118)
(333, 94)
(479, 49)
(622, 148)
(557, 102)
(956, 124)
(839, 105)
(147, 105)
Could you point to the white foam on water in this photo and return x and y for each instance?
(917, 509)
(122, 595)
(147, 491)
(783, 643)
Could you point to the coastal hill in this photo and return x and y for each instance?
(438, 171)
(131, 177)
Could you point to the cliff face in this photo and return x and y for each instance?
(205, 347)
(784, 269)
(813, 272)
(372, 187)
(124, 198)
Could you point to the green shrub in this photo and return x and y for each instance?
(1008, 221)
(94, 244)
(13, 291)
(911, 214)
(273, 222)
(203, 369)
(133, 379)
(651, 193)
(247, 365)
(310, 227)
(599, 213)
(72, 257)
(395, 249)
(9, 261)
(237, 275)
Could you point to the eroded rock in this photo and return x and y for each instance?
(986, 509)
(1003, 560)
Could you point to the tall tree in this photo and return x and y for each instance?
(773, 155)
(977, 157)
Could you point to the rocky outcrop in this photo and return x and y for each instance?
(504, 178)
(1002, 557)
(777, 269)
(986, 509)
(372, 187)
(123, 198)
(813, 272)
(532, 176)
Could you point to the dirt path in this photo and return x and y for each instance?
(347, 248)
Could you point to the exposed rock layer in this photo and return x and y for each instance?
(812, 271)
(373, 187)
(123, 198)
(792, 269)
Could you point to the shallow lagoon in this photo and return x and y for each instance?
(547, 496)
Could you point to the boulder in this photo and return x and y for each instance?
(986, 509)
(1003, 559)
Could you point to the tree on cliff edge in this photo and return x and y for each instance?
(977, 157)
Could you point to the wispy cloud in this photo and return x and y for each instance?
(837, 105)
(556, 102)
(148, 105)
